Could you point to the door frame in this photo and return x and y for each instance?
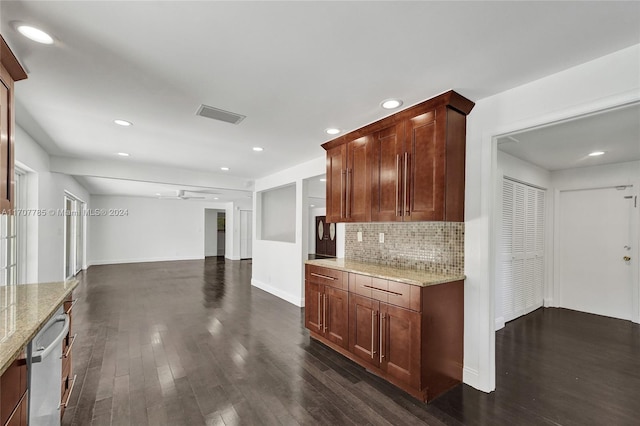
(489, 196)
(556, 288)
(83, 226)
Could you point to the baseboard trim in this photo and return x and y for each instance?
(471, 377)
(142, 260)
(294, 300)
(500, 323)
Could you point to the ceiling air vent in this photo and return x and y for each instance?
(220, 114)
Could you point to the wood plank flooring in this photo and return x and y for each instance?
(192, 343)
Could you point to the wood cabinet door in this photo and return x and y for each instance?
(313, 306)
(336, 316)
(358, 180)
(363, 329)
(424, 162)
(386, 174)
(336, 177)
(400, 343)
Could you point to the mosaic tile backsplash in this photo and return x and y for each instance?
(431, 246)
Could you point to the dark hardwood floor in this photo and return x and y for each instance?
(192, 343)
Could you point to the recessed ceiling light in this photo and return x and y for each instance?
(596, 153)
(35, 34)
(258, 149)
(332, 131)
(123, 154)
(323, 180)
(215, 198)
(124, 123)
(158, 194)
(224, 169)
(312, 205)
(391, 103)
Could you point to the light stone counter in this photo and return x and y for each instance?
(403, 275)
(24, 310)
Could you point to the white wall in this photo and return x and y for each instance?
(278, 266)
(611, 80)
(153, 229)
(45, 258)
(598, 176)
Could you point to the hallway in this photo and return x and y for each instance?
(192, 343)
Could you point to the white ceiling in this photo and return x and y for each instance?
(567, 145)
(293, 68)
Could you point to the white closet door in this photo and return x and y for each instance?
(521, 249)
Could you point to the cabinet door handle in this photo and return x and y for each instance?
(373, 334)
(320, 312)
(348, 194)
(381, 337)
(407, 200)
(398, 173)
(342, 192)
(324, 311)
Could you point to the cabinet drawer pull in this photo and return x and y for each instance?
(73, 340)
(373, 334)
(72, 305)
(383, 290)
(73, 383)
(326, 277)
(342, 193)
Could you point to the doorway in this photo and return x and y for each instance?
(214, 232)
(325, 237)
(596, 250)
(73, 235)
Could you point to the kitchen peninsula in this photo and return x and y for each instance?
(25, 309)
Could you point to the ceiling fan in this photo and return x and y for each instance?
(182, 195)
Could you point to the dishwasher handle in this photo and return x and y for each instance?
(40, 353)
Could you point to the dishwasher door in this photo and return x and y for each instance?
(46, 372)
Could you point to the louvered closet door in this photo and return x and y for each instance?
(521, 249)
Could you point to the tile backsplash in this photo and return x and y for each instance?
(431, 246)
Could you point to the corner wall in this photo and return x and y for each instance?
(603, 83)
(46, 190)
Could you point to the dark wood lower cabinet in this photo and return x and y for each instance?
(411, 336)
(13, 393)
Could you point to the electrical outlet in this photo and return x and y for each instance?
(381, 237)
(359, 234)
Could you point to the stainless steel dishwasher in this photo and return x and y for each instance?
(46, 372)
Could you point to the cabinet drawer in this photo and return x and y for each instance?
(13, 386)
(391, 292)
(326, 276)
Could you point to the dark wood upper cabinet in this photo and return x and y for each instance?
(406, 167)
(10, 72)
(349, 181)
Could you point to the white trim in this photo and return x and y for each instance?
(471, 377)
(500, 323)
(291, 298)
(141, 260)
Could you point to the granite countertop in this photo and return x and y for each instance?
(24, 310)
(403, 275)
